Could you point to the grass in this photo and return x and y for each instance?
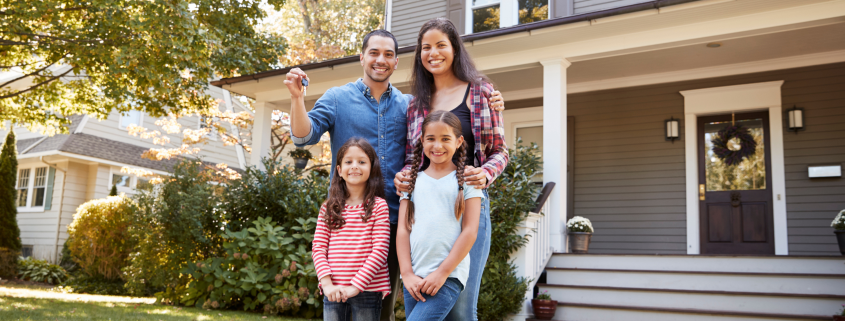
(37, 303)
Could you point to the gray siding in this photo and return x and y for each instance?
(630, 182)
(584, 6)
(409, 16)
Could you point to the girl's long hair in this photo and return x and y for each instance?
(452, 121)
(422, 81)
(338, 193)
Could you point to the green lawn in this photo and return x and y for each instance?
(33, 303)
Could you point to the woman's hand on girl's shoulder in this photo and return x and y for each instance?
(414, 284)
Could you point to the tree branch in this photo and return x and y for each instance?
(61, 39)
(33, 73)
(53, 78)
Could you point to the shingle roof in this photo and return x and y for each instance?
(98, 147)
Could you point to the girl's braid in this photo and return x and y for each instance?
(462, 158)
(416, 160)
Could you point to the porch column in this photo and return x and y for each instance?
(261, 132)
(554, 146)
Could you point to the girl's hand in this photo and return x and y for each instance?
(433, 283)
(349, 292)
(414, 284)
(333, 292)
(474, 177)
(401, 182)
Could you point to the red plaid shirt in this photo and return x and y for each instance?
(491, 152)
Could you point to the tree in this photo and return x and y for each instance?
(64, 57)
(10, 234)
(113, 191)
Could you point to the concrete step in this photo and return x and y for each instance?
(794, 283)
(703, 263)
(733, 301)
(588, 312)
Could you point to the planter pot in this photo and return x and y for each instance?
(840, 237)
(580, 241)
(300, 163)
(544, 309)
(839, 318)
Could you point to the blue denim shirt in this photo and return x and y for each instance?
(350, 111)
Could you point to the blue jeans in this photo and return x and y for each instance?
(366, 306)
(435, 307)
(467, 306)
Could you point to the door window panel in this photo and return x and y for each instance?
(750, 174)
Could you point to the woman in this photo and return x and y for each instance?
(444, 78)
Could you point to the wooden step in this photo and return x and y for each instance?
(605, 312)
(703, 263)
(797, 283)
(734, 301)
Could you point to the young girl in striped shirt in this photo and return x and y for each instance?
(353, 236)
(433, 239)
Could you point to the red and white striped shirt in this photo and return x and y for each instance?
(355, 254)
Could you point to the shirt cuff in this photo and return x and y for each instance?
(404, 196)
(303, 140)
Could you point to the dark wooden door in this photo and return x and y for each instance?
(735, 202)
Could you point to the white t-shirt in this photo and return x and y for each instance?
(435, 228)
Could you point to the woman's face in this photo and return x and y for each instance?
(437, 52)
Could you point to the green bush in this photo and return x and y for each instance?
(512, 196)
(99, 236)
(82, 283)
(176, 222)
(40, 271)
(67, 262)
(264, 268)
(8, 262)
(10, 234)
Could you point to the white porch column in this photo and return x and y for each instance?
(261, 132)
(554, 146)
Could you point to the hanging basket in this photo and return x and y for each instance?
(300, 163)
(748, 146)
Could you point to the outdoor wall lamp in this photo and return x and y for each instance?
(672, 132)
(796, 119)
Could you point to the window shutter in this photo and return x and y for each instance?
(456, 14)
(48, 196)
(562, 8)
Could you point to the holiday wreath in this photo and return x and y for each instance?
(732, 157)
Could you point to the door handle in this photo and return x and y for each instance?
(701, 192)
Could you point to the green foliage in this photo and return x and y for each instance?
(265, 268)
(8, 262)
(544, 296)
(838, 222)
(113, 191)
(300, 153)
(67, 262)
(40, 271)
(280, 192)
(10, 234)
(157, 55)
(82, 283)
(175, 223)
(99, 236)
(512, 196)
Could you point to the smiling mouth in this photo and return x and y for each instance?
(380, 69)
(438, 154)
(436, 62)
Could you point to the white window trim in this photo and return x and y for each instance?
(508, 14)
(31, 189)
(748, 97)
(140, 120)
(120, 189)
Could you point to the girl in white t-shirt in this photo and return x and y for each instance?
(434, 238)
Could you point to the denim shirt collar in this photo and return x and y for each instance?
(366, 90)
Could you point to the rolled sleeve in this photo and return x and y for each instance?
(302, 141)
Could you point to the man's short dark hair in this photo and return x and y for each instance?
(380, 33)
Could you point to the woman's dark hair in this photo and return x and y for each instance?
(338, 193)
(453, 121)
(422, 81)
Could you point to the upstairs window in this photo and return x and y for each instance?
(132, 117)
(533, 10)
(485, 15)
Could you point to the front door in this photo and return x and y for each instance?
(735, 201)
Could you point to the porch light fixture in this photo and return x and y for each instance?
(796, 119)
(672, 132)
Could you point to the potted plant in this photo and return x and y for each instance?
(544, 307)
(838, 226)
(841, 315)
(300, 157)
(580, 230)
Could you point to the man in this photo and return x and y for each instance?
(373, 109)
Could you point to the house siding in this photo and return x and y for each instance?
(630, 182)
(584, 6)
(409, 16)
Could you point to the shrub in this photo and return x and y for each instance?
(82, 283)
(512, 196)
(40, 271)
(264, 268)
(10, 234)
(8, 262)
(99, 236)
(175, 223)
(839, 221)
(67, 262)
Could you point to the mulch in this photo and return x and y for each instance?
(24, 282)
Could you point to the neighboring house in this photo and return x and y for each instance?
(56, 174)
(596, 84)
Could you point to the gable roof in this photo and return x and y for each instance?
(97, 147)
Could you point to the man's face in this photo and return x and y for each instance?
(379, 60)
